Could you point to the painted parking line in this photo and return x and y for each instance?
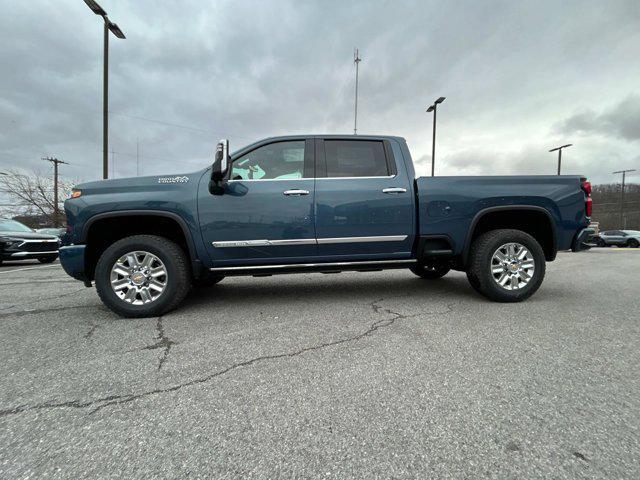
(28, 268)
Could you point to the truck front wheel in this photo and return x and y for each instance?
(142, 276)
(506, 265)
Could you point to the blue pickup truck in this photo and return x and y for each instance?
(323, 203)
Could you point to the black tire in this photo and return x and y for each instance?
(207, 281)
(430, 272)
(480, 265)
(601, 243)
(47, 259)
(178, 281)
(633, 243)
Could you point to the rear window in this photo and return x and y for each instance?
(355, 158)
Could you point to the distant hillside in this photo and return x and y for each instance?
(606, 206)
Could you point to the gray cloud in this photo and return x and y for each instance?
(621, 121)
(511, 73)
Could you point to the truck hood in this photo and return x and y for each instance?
(132, 184)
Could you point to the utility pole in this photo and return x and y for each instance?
(356, 60)
(433, 108)
(56, 209)
(559, 149)
(137, 156)
(624, 175)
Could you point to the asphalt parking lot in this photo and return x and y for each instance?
(378, 375)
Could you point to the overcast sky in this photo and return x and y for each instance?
(519, 77)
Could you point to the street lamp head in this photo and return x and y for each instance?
(430, 109)
(95, 8)
(567, 145)
(440, 100)
(115, 30)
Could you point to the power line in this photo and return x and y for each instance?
(177, 125)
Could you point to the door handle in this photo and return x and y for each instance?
(394, 190)
(296, 192)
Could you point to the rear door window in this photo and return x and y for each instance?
(356, 158)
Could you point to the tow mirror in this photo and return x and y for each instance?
(220, 168)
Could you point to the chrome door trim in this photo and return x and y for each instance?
(295, 192)
(264, 243)
(311, 265)
(307, 241)
(269, 179)
(381, 238)
(356, 178)
(394, 190)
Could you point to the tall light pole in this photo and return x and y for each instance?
(356, 60)
(624, 174)
(434, 108)
(108, 25)
(559, 149)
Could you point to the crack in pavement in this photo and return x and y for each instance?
(163, 342)
(3, 309)
(103, 402)
(24, 313)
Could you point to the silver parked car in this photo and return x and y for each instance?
(621, 238)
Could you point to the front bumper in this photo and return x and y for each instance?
(27, 255)
(72, 261)
(579, 240)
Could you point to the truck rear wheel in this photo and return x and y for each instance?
(142, 276)
(506, 265)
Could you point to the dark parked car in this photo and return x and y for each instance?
(621, 238)
(19, 242)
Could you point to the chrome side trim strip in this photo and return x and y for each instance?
(381, 238)
(311, 265)
(264, 243)
(308, 241)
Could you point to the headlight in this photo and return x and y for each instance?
(8, 242)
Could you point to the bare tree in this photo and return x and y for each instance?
(32, 194)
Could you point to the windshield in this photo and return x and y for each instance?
(13, 226)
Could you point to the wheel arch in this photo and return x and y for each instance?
(491, 218)
(165, 224)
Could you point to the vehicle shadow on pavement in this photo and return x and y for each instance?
(330, 289)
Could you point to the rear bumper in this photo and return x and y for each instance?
(579, 240)
(72, 260)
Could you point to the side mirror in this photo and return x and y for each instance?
(220, 168)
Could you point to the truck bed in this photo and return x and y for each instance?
(450, 206)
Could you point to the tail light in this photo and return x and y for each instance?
(586, 187)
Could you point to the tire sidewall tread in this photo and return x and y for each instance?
(482, 250)
(178, 272)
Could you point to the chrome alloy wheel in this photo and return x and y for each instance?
(138, 277)
(512, 266)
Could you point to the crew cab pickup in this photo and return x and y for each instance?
(322, 203)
